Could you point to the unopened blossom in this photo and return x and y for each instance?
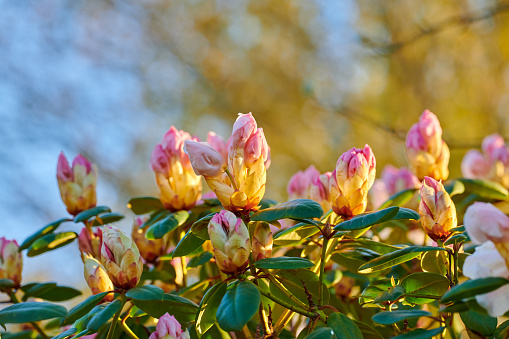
(377, 195)
(319, 191)
(262, 241)
(97, 278)
(427, 154)
(169, 328)
(397, 180)
(77, 184)
(11, 261)
(90, 243)
(487, 262)
(121, 258)
(150, 250)
(351, 180)
(437, 211)
(475, 165)
(179, 186)
(217, 142)
(230, 239)
(205, 160)
(242, 186)
(300, 183)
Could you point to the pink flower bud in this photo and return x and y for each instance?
(90, 244)
(427, 153)
(150, 250)
(438, 213)
(173, 142)
(484, 222)
(230, 239)
(262, 241)
(121, 258)
(169, 328)
(205, 160)
(256, 147)
(217, 142)
(319, 191)
(97, 278)
(397, 180)
(474, 165)
(244, 126)
(351, 180)
(11, 261)
(77, 183)
(300, 183)
(491, 144)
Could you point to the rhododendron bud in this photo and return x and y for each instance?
(121, 258)
(484, 263)
(217, 142)
(11, 261)
(262, 241)
(319, 191)
(90, 243)
(427, 153)
(97, 278)
(438, 213)
(351, 180)
(205, 160)
(230, 238)
(179, 186)
(169, 328)
(474, 165)
(77, 184)
(243, 185)
(300, 183)
(150, 250)
(491, 144)
(397, 180)
(377, 195)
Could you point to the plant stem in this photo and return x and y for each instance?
(116, 316)
(261, 311)
(322, 271)
(456, 266)
(286, 292)
(124, 326)
(15, 300)
(231, 179)
(292, 307)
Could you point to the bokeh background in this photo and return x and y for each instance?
(107, 78)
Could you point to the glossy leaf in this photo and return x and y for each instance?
(6, 283)
(94, 211)
(206, 315)
(295, 234)
(238, 306)
(424, 284)
(391, 294)
(162, 227)
(368, 332)
(421, 333)
(434, 262)
(107, 218)
(200, 227)
(485, 189)
(343, 327)
(144, 205)
(50, 242)
(454, 187)
(399, 199)
(363, 221)
(102, 317)
(66, 333)
(188, 244)
(31, 311)
(284, 263)
(294, 281)
(388, 318)
(183, 309)
(49, 228)
(51, 292)
(471, 288)
(146, 292)
(322, 333)
(83, 308)
(200, 259)
(293, 209)
(502, 330)
(479, 323)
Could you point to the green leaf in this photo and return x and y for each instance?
(27, 334)
(420, 333)
(502, 330)
(485, 189)
(66, 333)
(51, 292)
(434, 262)
(294, 281)
(389, 318)
(238, 306)
(6, 283)
(479, 323)
(266, 203)
(454, 187)
(94, 211)
(49, 228)
(399, 199)
(343, 327)
(295, 234)
(35, 288)
(183, 309)
(392, 294)
(369, 219)
(376, 246)
(200, 259)
(51, 242)
(159, 229)
(146, 292)
(83, 308)
(456, 239)
(293, 209)
(200, 227)
(424, 283)
(31, 311)
(107, 218)
(101, 317)
(321, 333)
(188, 244)
(367, 331)
(395, 258)
(206, 315)
(471, 288)
(284, 263)
(144, 205)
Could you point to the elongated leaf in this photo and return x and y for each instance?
(422, 284)
(295, 234)
(144, 205)
(388, 318)
(200, 259)
(51, 292)
(485, 188)
(83, 308)
(454, 187)
(146, 292)
(107, 218)
(479, 323)
(49, 228)
(238, 306)
(200, 227)
(66, 333)
(434, 262)
(284, 263)
(188, 244)
(293, 209)
(322, 333)
(421, 333)
(206, 315)
(34, 288)
(294, 281)
(50, 242)
(368, 332)
(502, 330)
(376, 246)
(31, 311)
(471, 288)
(392, 294)
(364, 220)
(399, 199)
(159, 229)
(101, 317)
(6, 283)
(94, 211)
(395, 258)
(183, 309)
(343, 327)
